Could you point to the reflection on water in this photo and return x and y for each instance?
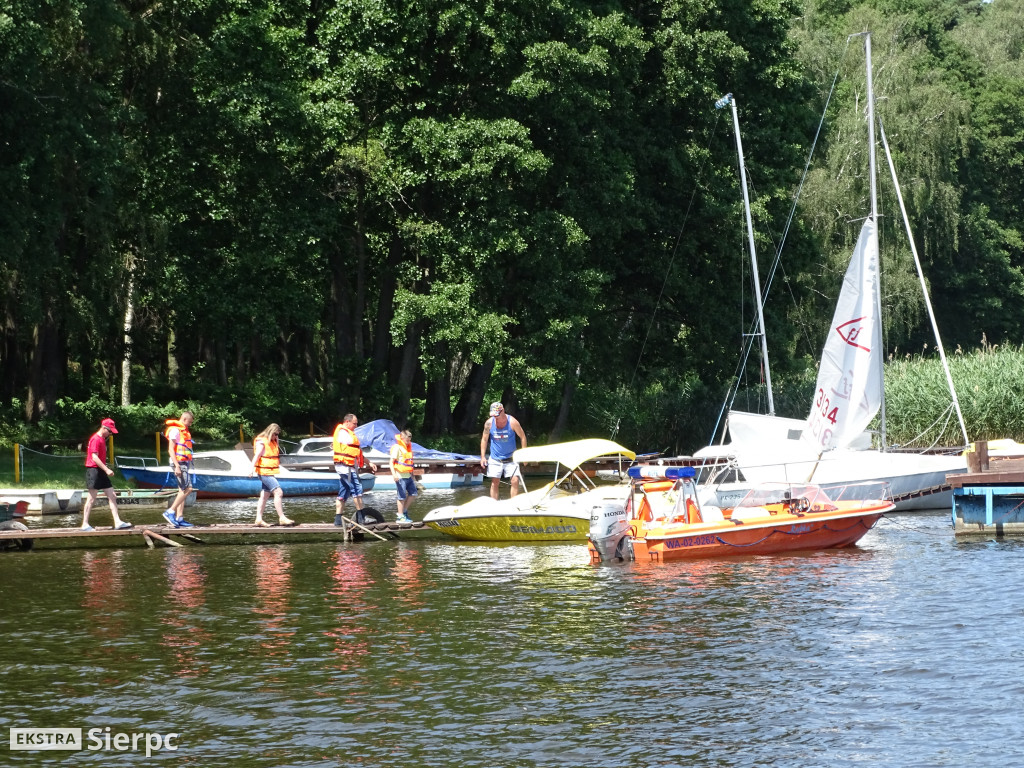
(434, 653)
(273, 589)
(103, 580)
(350, 579)
(184, 635)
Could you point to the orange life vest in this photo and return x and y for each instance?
(401, 455)
(183, 446)
(348, 454)
(270, 462)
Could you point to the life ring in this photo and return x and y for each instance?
(369, 516)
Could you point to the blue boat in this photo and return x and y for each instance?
(225, 475)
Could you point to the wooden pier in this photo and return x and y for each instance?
(167, 535)
(989, 497)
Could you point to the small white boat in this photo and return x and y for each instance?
(431, 469)
(43, 501)
(561, 510)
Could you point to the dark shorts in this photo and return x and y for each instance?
(96, 479)
(406, 487)
(270, 483)
(184, 480)
(349, 486)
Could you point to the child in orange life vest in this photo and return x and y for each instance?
(266, 463)
(401, 473)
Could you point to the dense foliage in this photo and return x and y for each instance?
(288, 209)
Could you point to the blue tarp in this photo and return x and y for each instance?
(380, 435)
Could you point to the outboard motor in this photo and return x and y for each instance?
(609, 530)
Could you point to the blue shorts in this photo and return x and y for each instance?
(270, 483)
(406, 487)
(349, 486)
(184, 480)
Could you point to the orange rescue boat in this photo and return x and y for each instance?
(664, 519)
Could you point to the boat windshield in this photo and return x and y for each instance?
(776, 493)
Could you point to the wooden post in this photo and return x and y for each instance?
(17, 463)
(977, 460)
(110, 448)
(164, 539)
(364, 528)
(311, 429)
(241, 434)
(157, 435)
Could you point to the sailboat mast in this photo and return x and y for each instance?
(729, 100)
(873, 175)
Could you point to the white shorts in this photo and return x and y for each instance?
(499, 468)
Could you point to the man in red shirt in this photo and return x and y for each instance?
(97, 475)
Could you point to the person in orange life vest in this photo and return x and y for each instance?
(348, 458)
(401, 473)
(266, 463)
(501, 429)
(179, 450)
(98, 474)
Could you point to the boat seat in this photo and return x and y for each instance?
(749, 513)
(709, 513)
(661, 504)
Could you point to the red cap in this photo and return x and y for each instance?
(109, 424)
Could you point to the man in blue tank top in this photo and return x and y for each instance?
(501, 429)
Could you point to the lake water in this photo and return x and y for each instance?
(905, 651)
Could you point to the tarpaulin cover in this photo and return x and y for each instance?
(380, 435)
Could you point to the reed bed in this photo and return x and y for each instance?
(989, 384)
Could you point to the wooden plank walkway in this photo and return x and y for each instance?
(246, 532)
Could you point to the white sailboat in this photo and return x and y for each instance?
(831, 447)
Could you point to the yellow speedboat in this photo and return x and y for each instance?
(560, 510)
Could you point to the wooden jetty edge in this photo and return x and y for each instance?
(151, 535)
(989, 497)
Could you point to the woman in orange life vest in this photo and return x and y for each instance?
(179, 449)
(266, 463)
(401, 473)
(348, 458)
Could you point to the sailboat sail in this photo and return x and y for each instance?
(849, 391)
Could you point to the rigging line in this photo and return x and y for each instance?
(675, 251)
(777, 264)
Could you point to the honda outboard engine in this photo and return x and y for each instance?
(609, 529)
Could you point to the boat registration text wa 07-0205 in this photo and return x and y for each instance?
(664, 519)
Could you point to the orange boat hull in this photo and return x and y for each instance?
(782, 537)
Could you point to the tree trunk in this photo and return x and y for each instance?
(44, 369)
(221, 351)
(562, 419)
(385, 310)
(173, 375)
(466, 417)
(11, 371)
(437, 418)
(344, 346)
(406, 375)
(129, 319)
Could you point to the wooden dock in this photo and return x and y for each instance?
(167, 535)
(989, 498)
